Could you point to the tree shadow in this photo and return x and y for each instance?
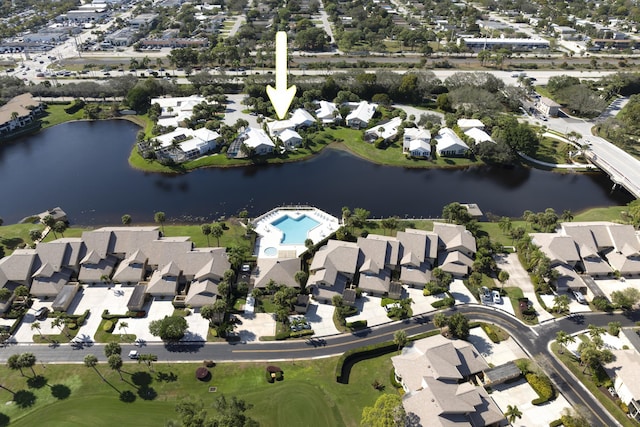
(37, 382)
(147, 393)
(166, 377)
(127, 396)
(24, 398)
(60, 391)
(4, 420)
(141, 379)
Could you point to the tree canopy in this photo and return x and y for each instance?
(170, 328)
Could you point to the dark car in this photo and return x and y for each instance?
(41, 313)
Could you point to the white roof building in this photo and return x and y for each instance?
(328, 112)
(361, 115)
(258, 140)
(478, 135)
(290, 138)
(175, 110)
(299, 118)
(466, 124)
(416, 142)
(450, 144)
(387, 130)
(193, 143)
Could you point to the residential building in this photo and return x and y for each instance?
(437, 377)
(625, 373)
(256, 140)
(328, 113)
(19, 113)
(361, 114)
(448, 144)
(386, 130)
(300, 118)
(456, 248)
(185, 144)
(466, 124)
(478, 135)
(174, 110)
(290, 138)
(417, 142)
(281, 271)
(332, 269)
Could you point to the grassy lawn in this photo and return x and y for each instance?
(573, 364)
(392, 155)
(16, 235)
(611, 213)
(55, 115)
(493, 230)
(374, 227)
(552, 151)
(309, 394)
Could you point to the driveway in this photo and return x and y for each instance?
(156, 309)
(519, 277)
(371, 310)
(98, 298)
(255, 325)
(320, 317)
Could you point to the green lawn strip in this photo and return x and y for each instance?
(69, 232)
(497, 235)
(550, 150)
(392, 155)
(514, 293)
(56, 114)
(14, 236)
(309, 394)
(573, 364)
(611, 213)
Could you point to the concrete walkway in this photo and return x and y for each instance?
(519, 277)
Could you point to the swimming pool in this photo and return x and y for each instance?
(295, 231)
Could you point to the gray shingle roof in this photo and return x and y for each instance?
(281, 271)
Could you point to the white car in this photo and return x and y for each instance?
(497, 299)
(133, 354)
(579, 297)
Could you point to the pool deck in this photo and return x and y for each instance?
(269, 242)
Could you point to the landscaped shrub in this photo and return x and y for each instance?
(302, 333)
(72, 325)
(283, 335)
(542, 386)
(493, 336)
(448, 301)
(358, 324)
(108, 316)
(393, 380)
(82, 318)
(108, 326)
(362, 353)
(556, 423)
(602, 303)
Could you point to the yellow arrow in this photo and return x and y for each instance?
(281, 96)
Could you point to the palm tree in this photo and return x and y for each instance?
(513, 413)
(560, 303)
(14, 363)
(59, 227)
(503, 276)
(595, 331)
(58, 323)
(126, 219)
(562, 338)
(36, 325)
(400, 338)
(91, 361)
(206, 230)
(217, 231)
(112, 348)
(115, 363)
(123, 325)
(28, 360)
(35, 235)
(160, 217)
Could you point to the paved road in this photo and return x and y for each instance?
(533, 340)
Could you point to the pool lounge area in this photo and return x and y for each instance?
(283, 231)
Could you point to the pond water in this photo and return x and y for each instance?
(82, 167)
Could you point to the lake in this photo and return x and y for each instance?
(82, 167)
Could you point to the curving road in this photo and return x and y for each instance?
(534, 340)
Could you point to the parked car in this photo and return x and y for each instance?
(41, 313)
(497, 298)
(612, 391)
(246, 268)
(579, 297)
(485, 294)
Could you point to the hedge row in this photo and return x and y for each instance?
(365, 352)
(358, 324)
(14, 327)
(448, 301)
(541, 385)
(107, 316)
(293, 334)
